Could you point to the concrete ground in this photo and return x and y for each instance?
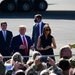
(60, 15)
(57, 5)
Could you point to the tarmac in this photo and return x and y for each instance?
(61, 21)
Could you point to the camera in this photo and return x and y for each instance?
(43, 59)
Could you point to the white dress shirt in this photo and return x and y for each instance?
(25, 40)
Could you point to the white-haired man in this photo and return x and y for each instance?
(22, 43)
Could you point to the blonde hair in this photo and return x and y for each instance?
(17, 57)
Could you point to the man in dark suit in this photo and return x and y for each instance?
(22, 43)
(5, 38)
(37, 28)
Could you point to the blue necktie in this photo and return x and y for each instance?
(38, 29)
(4, 36)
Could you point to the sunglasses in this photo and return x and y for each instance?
(47, 30)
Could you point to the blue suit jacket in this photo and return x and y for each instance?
(4, 45)
(17, 41)
(35, 32)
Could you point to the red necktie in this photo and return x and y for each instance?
(24, 42)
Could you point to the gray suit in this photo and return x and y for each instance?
(35, 34)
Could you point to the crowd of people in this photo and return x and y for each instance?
(42, 43)
(36, 66)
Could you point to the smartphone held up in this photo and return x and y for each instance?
(44, 59)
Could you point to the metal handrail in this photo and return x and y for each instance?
(31, 56)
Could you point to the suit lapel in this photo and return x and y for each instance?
(2, 36)
(35, 29)
(7, 35)
(42, 27)
(20, 39)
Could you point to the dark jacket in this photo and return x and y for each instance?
(17, 41)
(2, 68)
(4, 45)
(35, 32)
